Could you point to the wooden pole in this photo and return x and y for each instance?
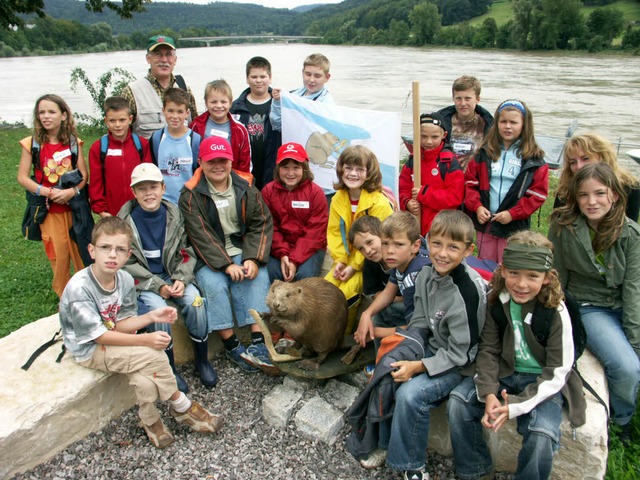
(416, 137)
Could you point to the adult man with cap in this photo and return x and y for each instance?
(145, 94)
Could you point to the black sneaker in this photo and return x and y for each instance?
(625, 434)
(415, 475)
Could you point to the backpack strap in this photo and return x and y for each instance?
(35, 155)
(180, 81)
(154, 145)
(73, 146)
(136, 141)
(497, 312)
(56, 337)
(104, 146)
(195, 149)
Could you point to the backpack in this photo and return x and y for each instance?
(541, 325)
(156, 138)
(104, 147)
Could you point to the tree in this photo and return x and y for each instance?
(111, 82)
(10, 9)
(398, 32)
(631, 38)
(485, 36)
(606, 22)
(425, 23)
(524, 14)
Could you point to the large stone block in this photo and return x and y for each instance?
(340, 395)
(584, 457)
(318, 419)
(278, 405)
(51, 405)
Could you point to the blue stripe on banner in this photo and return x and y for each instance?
(344, 131)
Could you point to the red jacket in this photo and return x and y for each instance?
(527, 194)
(300, 219)
(121, 159)
(240, 143)
(442, 184)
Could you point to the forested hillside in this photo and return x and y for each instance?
(591, 25)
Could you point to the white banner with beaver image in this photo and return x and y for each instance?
(325, 130)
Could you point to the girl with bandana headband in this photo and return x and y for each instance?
(507, 181)
(515, 375)
(598, 259)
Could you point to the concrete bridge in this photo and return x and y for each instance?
(231, 38)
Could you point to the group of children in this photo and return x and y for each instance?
(190, 212)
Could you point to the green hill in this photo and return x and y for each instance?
(501, 11)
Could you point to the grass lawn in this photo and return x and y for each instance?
(25, 276)
(502, 12)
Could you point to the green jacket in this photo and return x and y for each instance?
(203, 225)
(178, 258)
(619, 287)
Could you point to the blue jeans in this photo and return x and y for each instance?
(607, 341)
(227, 300)
(406, 434)
(540, 429)
(191, 307)
(310, 268)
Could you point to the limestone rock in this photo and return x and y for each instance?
(51, 405)
(317, 419)
(278, 405)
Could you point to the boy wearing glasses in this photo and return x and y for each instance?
(145, 94)
(99, 324)
(162, 263)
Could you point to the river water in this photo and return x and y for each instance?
(601, 91)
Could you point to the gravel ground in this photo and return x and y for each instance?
(246, 447)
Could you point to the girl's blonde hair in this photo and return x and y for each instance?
(551, 294)
(592, 144)
(67, 127)
(528, 147)
(360, 156)
(610, 227)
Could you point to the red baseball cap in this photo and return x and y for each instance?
(215, 147)
(292, 150)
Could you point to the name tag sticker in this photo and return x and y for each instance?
(58, 156)
(461, 148)
(528, 318)
(184, 161)
(151, 253)
(114, 152)
(222, 203)
(299, 204)
(219, 133)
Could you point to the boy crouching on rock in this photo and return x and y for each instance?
(99, 324)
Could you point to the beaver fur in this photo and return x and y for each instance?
(314, 312)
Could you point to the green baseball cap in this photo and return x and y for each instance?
(160, 40)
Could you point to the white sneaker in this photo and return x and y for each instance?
(415, 475)
(375, 459)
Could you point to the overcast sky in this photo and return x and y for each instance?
(265, 3)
